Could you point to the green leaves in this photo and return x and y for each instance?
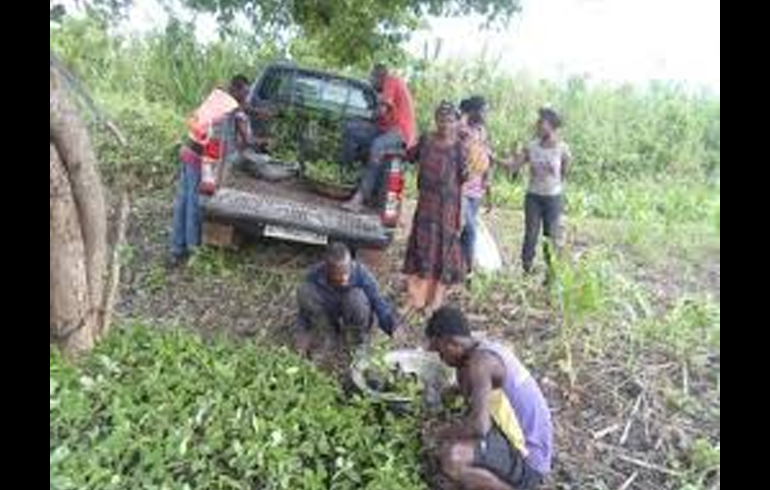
(690, 330)
(616, 133)
(166, 409)
(330, 173)
(352, 33)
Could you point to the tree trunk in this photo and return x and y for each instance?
(73, 143)
(70, 322)
(78, 229)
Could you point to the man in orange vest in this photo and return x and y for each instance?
(201, 153)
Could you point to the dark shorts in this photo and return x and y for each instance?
(497, 455)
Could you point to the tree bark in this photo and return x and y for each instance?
(70, 136)
(78, 230)
(70, 323)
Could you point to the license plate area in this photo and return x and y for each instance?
(295, 235)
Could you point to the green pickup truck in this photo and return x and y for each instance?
(293, 208)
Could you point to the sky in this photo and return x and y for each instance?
(617, 40)
(609, 40)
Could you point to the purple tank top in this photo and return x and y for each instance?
(531, 408)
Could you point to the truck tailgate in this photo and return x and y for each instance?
(288, 205)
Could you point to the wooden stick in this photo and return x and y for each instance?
(635, 461)
(648, 466)
(685, 380)
(113, 280)
(627, 484)
(646, 419)
(113, 128)
(629, 424)
(605, 432)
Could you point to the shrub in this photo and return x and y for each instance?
(154, 409)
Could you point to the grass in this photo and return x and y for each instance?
(156, 279)
(705, 460)
(662, 201)
(598, 302)
(616, 133)
(690, 330)
(581, 292)
(209, 262)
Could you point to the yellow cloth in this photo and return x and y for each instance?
(506, 420)
(477, 150)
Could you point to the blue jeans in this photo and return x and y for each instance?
(373, 174)
(471, 207)
(187, 212)
(356, 141)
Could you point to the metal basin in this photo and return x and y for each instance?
(265, 167)
(426, 366)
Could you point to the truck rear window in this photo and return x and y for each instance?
(308, 90)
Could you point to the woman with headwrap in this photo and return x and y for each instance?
(434, 254)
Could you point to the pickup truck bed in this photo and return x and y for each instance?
(244, 201)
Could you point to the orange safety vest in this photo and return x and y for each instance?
(203, 129)
(201, 124)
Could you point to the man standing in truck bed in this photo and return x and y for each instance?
(396, 132)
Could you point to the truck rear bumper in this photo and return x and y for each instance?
(245, 209)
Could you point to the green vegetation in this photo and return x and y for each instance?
(659, 146)
(157, 409)
(336, 31)
(330, 173)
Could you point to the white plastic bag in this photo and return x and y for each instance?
(487, 253)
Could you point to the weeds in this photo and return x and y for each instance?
(165, 409)
(212, 263)
(690, 330)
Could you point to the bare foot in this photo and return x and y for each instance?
(429, 311)
(355, 204)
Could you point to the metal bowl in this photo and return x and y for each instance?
(275, 171)
(267, 168)
(252, 156)
(427, 366)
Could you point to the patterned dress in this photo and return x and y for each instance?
(434, 250)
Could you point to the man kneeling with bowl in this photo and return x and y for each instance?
(506, 440)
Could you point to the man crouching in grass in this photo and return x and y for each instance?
(506, 441)
(340, 301)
